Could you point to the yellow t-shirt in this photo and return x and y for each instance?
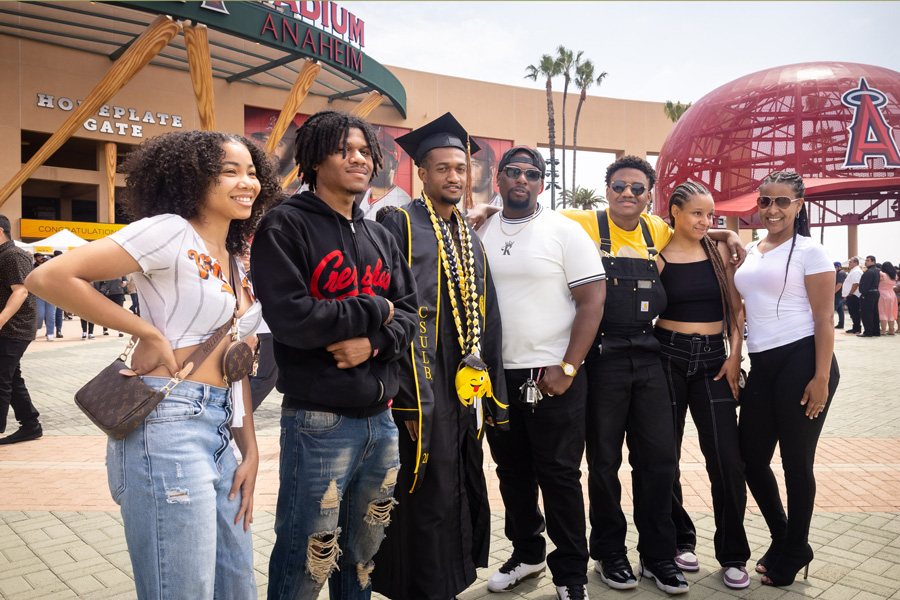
(634, 240)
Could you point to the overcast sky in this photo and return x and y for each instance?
(653, 51)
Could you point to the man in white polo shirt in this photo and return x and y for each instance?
(551, 289)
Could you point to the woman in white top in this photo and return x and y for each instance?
(186, 504)
(787, 282)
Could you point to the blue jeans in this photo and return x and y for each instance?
(46, 314)
(337, 485)
(172, 477)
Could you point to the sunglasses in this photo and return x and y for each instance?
(636, 188)
(514, 172)
(780, 201)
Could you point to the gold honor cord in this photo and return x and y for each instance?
(465, 275)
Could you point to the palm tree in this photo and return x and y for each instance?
(548, 68)
(584, 78)
(583, 198)
(674, 110)
(567, 61)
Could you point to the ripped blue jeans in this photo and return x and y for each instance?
(172, 477)
(337, 486)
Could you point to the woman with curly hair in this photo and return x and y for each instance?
(186, 503)
(700, 338)
(787, 282)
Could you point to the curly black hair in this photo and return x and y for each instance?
(629, 161)
(171, 174)
(325, 133)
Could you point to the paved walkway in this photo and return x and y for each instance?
(61, 535)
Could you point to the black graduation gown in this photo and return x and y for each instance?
(439, 531)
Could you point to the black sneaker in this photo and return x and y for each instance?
(666, 574)
(616, 572)
(23, 434)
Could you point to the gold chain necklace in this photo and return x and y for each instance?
(469, 339)
(522, 228)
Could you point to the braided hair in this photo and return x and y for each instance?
(325, 133)
(681, 195)
(801, 223)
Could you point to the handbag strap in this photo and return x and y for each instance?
(206, 348)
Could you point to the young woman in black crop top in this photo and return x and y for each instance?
(692, 332)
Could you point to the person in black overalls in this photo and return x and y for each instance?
(627, 391)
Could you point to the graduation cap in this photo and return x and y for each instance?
(443, 132)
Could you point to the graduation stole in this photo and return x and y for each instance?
(472, 380)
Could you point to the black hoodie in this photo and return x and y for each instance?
(323, 279)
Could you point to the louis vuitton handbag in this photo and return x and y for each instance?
(117, 401)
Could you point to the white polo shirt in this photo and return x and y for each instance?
(534, 263)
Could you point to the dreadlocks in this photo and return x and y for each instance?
(325, 133)
(681, 195)
(801, 223)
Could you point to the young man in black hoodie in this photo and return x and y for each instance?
(340, 301)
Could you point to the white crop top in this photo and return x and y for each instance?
(183, 291)
(760, 280)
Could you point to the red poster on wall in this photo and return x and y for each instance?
(484, 169)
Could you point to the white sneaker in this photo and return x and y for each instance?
(83, 336)
(571, 592)
(512, 573)
(49, 338)
(687, 560)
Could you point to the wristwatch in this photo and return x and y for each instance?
(568, 369)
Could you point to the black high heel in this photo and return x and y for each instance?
(785, 570)
(767, 560)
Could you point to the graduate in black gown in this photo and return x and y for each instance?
(451, 383)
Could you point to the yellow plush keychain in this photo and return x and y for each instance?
(473, 381)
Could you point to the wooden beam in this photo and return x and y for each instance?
(158, 34)
(197, 46)
(290, 177)
(110, 148)
(368, 104)
(305, 79)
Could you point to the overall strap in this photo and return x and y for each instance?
(606, 240)
(648, 239)
(603, 226)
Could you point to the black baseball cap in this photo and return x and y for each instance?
(536, 159)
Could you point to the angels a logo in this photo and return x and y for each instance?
(331, 282)
(870, 134)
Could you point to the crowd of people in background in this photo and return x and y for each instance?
(871, 297)
(401, 338)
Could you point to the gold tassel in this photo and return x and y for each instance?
(470, 202)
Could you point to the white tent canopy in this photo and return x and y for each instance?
(63, 240)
